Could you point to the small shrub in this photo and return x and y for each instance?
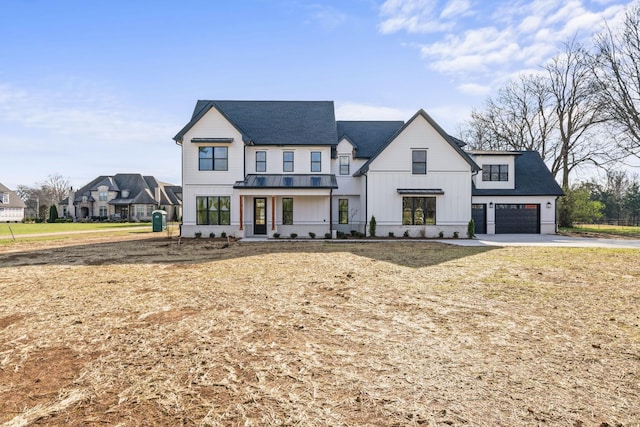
(471, 229)
(406, 233)
(359, 235)
(312, 234)
(198, 234)
(354, 232)
(441, 234)
(212, 235)
(340, 235)
(372, 226)
(344, 236)
(223, 235)
(276, 235)
(391, 234)
(327, 235)
(455, 235)
(294, 235)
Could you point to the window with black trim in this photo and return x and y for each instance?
(418, 210)
(287, 161)
(344, 165)
(343, 211)
(287, 211)
(213, 210)
(419, 162)
(261, 161)
(213, 158)
(316, 161)
(495, 172)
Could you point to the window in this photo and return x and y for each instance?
(139, 210)
(418, 210)
(261, 161)
(344, 165)
(102, 196)
(213, 158)
(343, 211)
(102, 211)
(316, 161)
(287, 161)
(4, 198)
(495, 172)
(150, 209)
(213, 210)
(287, 211)
(419, 162)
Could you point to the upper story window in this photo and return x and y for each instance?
(316, 161)
(213, 158)
(4, 198)
(102, 196)
(344, 165)
(261, 161)
(495, 172)
(419, 162)
(287, 161)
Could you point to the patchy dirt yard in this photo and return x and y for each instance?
(146, 331)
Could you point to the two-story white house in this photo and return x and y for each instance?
(11, 206)
(257, 168)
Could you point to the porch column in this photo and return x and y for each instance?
(241, 212)
(273, 213)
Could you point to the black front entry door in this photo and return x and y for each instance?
(260, 215)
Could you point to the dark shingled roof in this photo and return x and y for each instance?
(274, 122)
(287, 181)
(14, 200)
(367, 136)
(532, 178)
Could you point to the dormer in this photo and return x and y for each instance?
(497, 169)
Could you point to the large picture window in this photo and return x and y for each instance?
(287, 161)
(287, 211)
(261, 161)
(344, 165)
(418, 210)
(419, 162)
(213, 210)
(343, 211)
(316, 161)
(495, 172)
(213, 158)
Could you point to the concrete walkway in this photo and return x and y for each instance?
(544, 240)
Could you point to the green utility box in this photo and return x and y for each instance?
(159, 220)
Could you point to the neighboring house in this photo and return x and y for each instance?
(11, 206)
(130, 197)
(257, 168)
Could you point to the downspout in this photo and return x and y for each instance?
(366, 204)
(331, 211)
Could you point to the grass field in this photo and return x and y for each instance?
(140, 330)
(64, 227)
(604, 230)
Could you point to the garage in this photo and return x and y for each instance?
(479, 215)
(517, 218)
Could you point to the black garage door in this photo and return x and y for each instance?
(512, 218)
(479, 215)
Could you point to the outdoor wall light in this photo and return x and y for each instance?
(548, 205)
(490, 204)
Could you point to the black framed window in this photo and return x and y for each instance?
(213, 210)
(287, 161)
(419, 162)
(343, 211)
(316, 161)
(418, 210)
(213, 158)
(344, 165)
(287, 211)
(261, 161)
(495, 172)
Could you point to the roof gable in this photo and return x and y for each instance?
(274, 122)
(449, 139)
(367, 136)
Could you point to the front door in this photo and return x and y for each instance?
(260, 215)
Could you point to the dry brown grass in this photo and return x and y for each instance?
(143, 331)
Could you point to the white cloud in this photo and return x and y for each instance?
(474, 89)
(416, 16)
(456, 8)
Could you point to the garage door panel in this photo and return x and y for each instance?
(517, 218)
(479, 215)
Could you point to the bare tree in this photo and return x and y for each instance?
(616, 66)
(518, 118)
(57, 187)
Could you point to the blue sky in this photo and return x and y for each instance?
(91, 88)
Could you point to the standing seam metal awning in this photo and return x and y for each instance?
(288, 181)
(421, 191)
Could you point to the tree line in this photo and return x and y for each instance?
(581, 109)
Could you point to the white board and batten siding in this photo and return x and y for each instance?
(446, 170)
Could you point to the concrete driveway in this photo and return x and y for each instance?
(544, 240)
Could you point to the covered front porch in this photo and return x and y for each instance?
(276, 207)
